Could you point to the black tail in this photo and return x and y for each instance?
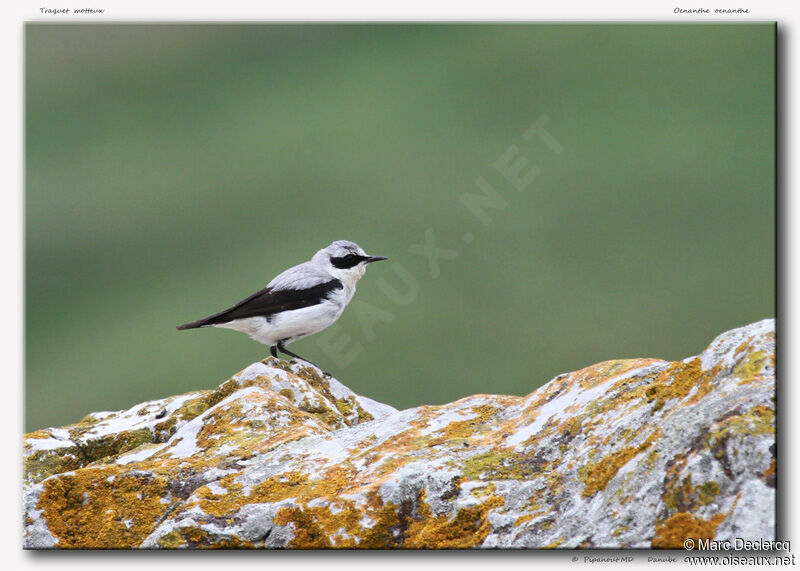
(194, 324)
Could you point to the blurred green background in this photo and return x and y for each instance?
(172, 170)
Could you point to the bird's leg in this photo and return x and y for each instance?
(274, 352)
(283, 349)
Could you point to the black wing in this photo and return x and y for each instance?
(268, 302)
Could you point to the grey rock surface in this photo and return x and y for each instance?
(630, 453)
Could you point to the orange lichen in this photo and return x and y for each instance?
(672, 533)
(675, 382)
(600, 473)
(467, 528)
(198, 538)
(386, 530)
(596, 475)
(415, 528)
(770, 474)
(307, 532)
(220, 505)
(86, 510)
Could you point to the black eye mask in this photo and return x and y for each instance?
(348, 261)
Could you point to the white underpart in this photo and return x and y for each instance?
(296, 323)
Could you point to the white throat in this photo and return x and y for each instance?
(349, 277)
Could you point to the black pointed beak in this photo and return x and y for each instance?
(371, 259)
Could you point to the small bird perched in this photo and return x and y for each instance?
(299, 302)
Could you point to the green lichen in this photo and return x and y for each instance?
(679, 496)
(197, 406)
(708, 491)
(44, 463)
(84, 451)
(171, 540)
(490, 465)
(114, 444)
(363, 415)
(345, 407)
(165, 429)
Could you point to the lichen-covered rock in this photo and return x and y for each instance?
(633, 453)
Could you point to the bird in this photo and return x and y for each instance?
(301, 301)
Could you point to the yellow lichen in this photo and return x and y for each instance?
(484, 491)
(522, 519)
(594, 375)
(742, 346)
(556, 543)
(465, 429)
(759, 420)
(751, 369)
(651, 460)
